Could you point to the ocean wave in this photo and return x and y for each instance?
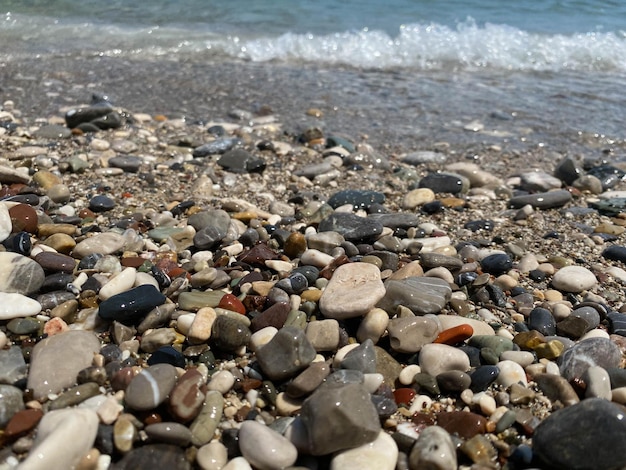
(433, 46)
(423, 46)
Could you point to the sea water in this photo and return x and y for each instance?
(548, 67)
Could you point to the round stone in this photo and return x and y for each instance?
(23, 218)
(101, 203)
(150, 387)
(437, 358)
(573, 279)
(19, 274)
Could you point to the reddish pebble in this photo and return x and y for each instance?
(455, 335)
(132, 261)
(187, 397)
(122, 378)
(403, 396)
(23, 218)
(86, 214)
(22, 422)
(463, 423)
(54, 326)
(232, 303)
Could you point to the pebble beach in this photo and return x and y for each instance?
(275, 282)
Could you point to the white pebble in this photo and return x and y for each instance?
(511, 373)
(14, 305)
(408, 374)
(5, 222)
(380, 454)
(262, 337)
(264, 448)
(212, 456)
(372, 381)
(221, 381)
(238, 463)
(118, 284)
(420, 403)
(523, 358)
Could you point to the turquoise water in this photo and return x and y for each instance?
(425, 34)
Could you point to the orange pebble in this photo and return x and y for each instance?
(232, 303)
(55, 326)
(455, 335)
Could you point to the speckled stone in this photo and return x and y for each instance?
(433, 450)
(354, 290)
(589, 352)
(585, 435)
(19, 274)
(421, 295)
(56, 361)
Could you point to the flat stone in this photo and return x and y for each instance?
(19, 274)
(445, 183)
(169, 433)
(434, 450)
(132, 306)
(585, 435)
(353, 290)
(308, 380)
(150, 387)
(103, 243)
(288, 352)
(264, 448)
(573, 279)
(56, 361)
(339, 417)
(545, 200)
(360, 199)
(14, 305)
(352, 227)
(589, 352)
(380, 454)
(63, 438)
(323, 334)
(421, 295)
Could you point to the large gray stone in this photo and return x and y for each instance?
(339, 417)
(286, 354)
(590, 352)
(588, 435)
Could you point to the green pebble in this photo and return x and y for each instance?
(296, 318)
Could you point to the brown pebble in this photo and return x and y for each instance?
(465, 424)
(295, 245)
(274, 316)
(22, 422)
(61, 242)
(23, 218)
(187, 398)
(55, 262)
(45, 230)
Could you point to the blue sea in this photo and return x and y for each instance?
(529, 72)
